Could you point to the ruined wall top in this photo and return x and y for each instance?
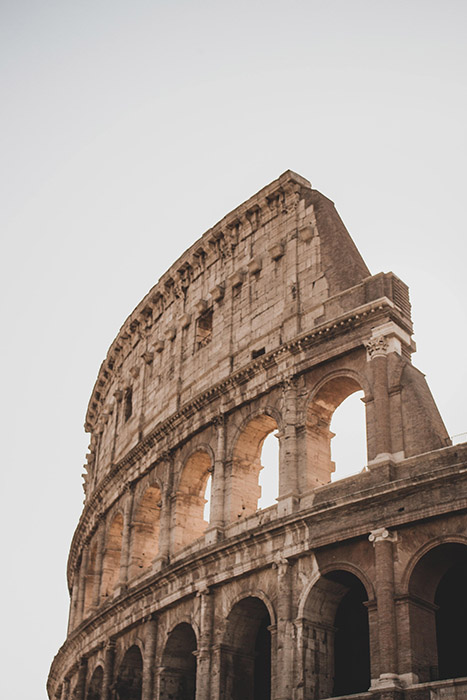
(273, 269)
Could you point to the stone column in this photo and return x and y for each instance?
(203, 655)
(377, 350)
(65, 694)
(217, 518)
(126, 538)
(80, 688)
(288, 452)
(96, 594)
(82, 585)
(72, 618)
(274, 669)
(166, 513)
(382, 541)
(284, 653)
(108, 675)
(148, 661)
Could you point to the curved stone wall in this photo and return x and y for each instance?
(267, 323)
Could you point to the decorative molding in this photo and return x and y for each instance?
(237, 278)
(201, 306)
(148, 357)
(277, 251)
(170, 333)
(217, 292)
(255, 265)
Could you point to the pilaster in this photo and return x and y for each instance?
(383, 541)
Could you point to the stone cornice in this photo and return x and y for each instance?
(168, 427)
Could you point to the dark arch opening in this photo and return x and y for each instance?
(352, 637)
(336, 637)
(246, 653)
(438, 613)
(178, 679)
(451, 622)
(130, 675)
(95, 686)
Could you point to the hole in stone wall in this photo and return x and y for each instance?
(348, 446)
(269, 474)
(128, 403)
(204, 329)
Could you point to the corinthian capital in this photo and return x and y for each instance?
(377, 347)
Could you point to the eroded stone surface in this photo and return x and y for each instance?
(267, 323)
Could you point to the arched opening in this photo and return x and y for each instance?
(130, 675)
(178, 679)
(269, 474)
(336, 642)
(320, 411)
(145, 531)
(94, 691)
(112, 556)
(348, 444)
(438, 613)
(190, 500)
(246, 652)
(90, 579)
(244, 488)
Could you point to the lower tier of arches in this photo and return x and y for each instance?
(348, 634)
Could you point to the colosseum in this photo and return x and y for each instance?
(346, 588)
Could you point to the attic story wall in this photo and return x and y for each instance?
(254, 282)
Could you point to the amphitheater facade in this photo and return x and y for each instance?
(352, 588)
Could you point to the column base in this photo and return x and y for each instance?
(287, 504)
(387, 681)
(386, 457)
(213, 534)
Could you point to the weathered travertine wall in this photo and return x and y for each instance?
(267, 323)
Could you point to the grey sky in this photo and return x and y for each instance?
(128, 129)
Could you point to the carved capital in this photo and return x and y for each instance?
(219, 419)
(282, 565)
(382, 535)
(377, 347)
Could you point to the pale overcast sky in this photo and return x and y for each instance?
(128, 129)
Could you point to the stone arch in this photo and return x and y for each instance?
(129, 679)
(336, 566)
(178, 676)
(243, 489)
(145, 529)
(94, 690)
(112, 556)
(437, 610)
(189, 523)
(329, 393)
(424, 549)
(334, 635)
(246, 651)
